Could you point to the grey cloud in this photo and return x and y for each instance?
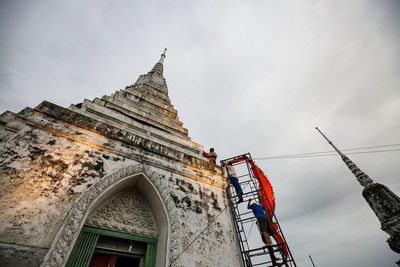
(245, 77)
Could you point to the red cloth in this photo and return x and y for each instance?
(267, 197)
(206, 155)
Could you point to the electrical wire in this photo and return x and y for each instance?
(251, 228)
(332, 152)
(323, 155)
(367, 147)
(347, 149)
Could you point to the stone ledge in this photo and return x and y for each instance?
(149, 95)
(140, 114)
(148, 106)
(88, 108)
(144, 83)
(111, 132)
(113, 121)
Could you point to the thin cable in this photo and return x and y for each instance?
(370, 147)
(213, 220)
(332, 151)
(322, 154)
(251, 228)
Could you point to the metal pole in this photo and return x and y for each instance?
(311, 260)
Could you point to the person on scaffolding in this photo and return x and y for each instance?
(263, 223)
(234, 181)
(212, 155)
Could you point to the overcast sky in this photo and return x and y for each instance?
(246, 76)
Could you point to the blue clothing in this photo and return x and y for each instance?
(258, 211)
(236, 185)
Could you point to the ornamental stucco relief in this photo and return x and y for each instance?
(127, 212)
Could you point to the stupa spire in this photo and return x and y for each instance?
(154, 79)
(383, 202)
(159, 67)
(162, 56)
(362, 178)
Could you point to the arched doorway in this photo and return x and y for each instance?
(152, 185)
(120, 232)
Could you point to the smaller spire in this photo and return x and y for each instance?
(162, 56)
(362, 178)
(383, 202)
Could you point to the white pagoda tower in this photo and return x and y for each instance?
(114, 180)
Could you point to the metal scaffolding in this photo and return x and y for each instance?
(252, 252)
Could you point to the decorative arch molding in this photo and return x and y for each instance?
(58, 253)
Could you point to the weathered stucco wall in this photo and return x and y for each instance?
(49, 163)
(197, 205)
(41, 176)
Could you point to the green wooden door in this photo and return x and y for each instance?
(86, 243)
(83, 250)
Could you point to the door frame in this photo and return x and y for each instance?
(83, 250)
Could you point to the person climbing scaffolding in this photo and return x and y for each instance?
(263, 223)
(234, 181)
(257, 187)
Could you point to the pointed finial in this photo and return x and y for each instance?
(330, 142)
(162, 56)
(361, 177)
